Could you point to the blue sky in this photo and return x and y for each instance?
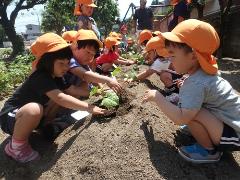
(33, 16)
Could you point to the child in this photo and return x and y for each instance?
(84, 11)
(144, 37)
(208, 104)
(156, 56)
(123, 31)
(25, 110)
(110, 56)
(84, 48)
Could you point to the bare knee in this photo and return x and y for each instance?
(31, 110)
(213, 125)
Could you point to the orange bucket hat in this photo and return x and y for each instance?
(69, 36)
(48, 42)
(111, 41)
(144, 35)
(84, 34)
(200, 36)
(89, 3)
(157, 43)
(115, 35)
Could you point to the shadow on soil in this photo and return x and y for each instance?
(166, 160)
(8, 166)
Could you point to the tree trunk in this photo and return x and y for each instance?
(16, 40)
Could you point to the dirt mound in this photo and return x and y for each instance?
(138, 142)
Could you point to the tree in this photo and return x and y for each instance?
(2, 34)
(58, 14)
(105, 14)
(8, 23)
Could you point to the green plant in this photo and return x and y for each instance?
(110, 100)
(131, 75)
(95, 90)
(14, 73)
(116, 71)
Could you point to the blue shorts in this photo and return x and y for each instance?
(8, 122)
(229, 140)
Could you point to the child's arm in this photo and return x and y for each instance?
(143, 75)
(123, 62)
(90, 76)
(72, 103)
(177, 115)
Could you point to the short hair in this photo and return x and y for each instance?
(46, 62)
(183, 46)
(145, 42)
(90, 42)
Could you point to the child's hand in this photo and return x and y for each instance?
(114, 85)
(130, 62)
(96, 110)
(150, 95)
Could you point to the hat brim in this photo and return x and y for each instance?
(208, 63)
(171, 37)
(58, 47)
(98, 41)
(92, 5)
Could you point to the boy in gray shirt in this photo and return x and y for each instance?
(208, 103)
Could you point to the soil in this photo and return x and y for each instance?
(138, 142)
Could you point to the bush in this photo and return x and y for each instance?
(14, 73)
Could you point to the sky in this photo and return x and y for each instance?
(33, 16)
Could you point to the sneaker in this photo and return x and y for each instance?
(198, 154)
(173, 98)
(23, 154)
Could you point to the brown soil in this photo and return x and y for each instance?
(138, 142)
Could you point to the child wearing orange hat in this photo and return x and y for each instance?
(110, 56)
(208, 104)
(26, 109)
(84, 48)
(157, 56)
(144, 36)
(84, 10)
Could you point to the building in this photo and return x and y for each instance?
(32, 32)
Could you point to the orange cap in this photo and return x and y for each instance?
(89, 3)
(157, 43)
(115, 35)
(174, 2)
(48, 42)
(84, 34)
(111, 41)
(69, 36)
(200, 36)
(77, 11)
(144, 35)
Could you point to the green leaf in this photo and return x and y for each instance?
(108, 103)
(116, 71)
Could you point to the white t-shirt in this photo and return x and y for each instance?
(160, 65)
